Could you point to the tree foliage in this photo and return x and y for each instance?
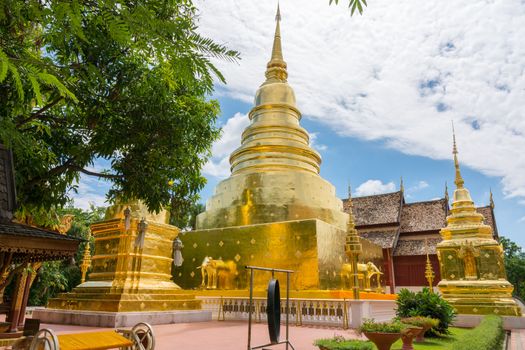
(353, 5)
(61, 276)
(127, 81)
(514, 266)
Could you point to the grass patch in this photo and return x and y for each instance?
(444, 343)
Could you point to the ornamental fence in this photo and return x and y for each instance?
(321, 312)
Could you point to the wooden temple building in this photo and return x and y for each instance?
(406, 232)
(23, 248)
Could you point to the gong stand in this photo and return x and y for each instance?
(273, 309)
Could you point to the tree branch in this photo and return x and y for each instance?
(93, 173)
(38, 113)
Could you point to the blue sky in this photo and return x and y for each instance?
(378, 92)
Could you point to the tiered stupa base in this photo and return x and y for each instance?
(480, 297)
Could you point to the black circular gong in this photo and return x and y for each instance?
(273, 311)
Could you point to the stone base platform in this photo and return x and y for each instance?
(119, 319)
(509, 322)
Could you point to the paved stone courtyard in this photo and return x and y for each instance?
(220, 335)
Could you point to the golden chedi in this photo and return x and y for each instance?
(473, 277)
(274, 210)
(131, 266)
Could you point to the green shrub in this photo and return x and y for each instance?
(488, 335)
(428, 304)
(382, 327)
(421, 321)
(340, 343)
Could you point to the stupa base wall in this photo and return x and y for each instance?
(124, 300)
(312, 248)
(120, 319)
(480, 297)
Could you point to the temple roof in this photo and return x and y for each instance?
(7, 186)
(424, 216)
(416, 246)
(23, 242)
(377, 209)
(385, 238)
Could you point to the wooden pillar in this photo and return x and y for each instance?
(17, 300)
(389, 266)
(31, 276)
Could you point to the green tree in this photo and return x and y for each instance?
(187, 218)
(353, 5)
(61, 276)
(514, 265)
(126, 81)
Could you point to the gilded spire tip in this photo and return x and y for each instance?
(459, 180)
(276, 68)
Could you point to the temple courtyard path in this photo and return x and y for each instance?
(224, 335)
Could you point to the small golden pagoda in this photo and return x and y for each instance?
(473, 277)
(131, 266)
(275, 209)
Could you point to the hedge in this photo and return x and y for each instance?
(488, 335)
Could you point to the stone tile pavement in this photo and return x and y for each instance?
(517, 339)
(223, 335)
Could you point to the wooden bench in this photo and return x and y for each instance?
(140, 337)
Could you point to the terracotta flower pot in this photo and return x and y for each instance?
(408, 335)
(383, 341)
(420, 338)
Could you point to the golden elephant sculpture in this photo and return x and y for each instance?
(365, 272)
(218, 274)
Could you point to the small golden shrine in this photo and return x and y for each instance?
(473, 277)
(131, 266)
(274, 210)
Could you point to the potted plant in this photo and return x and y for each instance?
(340, 343)
(408, 334)
(420, 321)
(382, 334)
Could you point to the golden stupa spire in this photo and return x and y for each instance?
(459, 180)
(276, 68)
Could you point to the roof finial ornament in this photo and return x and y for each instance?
(492, 205)
(276, 68)
(447, 198)
(401, 185)
(459, 180)
(349, 191)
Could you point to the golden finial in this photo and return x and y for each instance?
(459, 180)
(276, 68)
(86, 259)
(492, 205)
(401, 185)
(429, 271)
(353, 247)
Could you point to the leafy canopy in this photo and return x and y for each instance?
(353, 5)
(514, 259)
(126, 81)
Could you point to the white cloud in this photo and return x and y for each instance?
(418, 187)
(521, 219)
(399, 73)
(90, 190)
(219, 164)
(374, 187)
(315, 144)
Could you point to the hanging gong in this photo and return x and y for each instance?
(273, 310)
